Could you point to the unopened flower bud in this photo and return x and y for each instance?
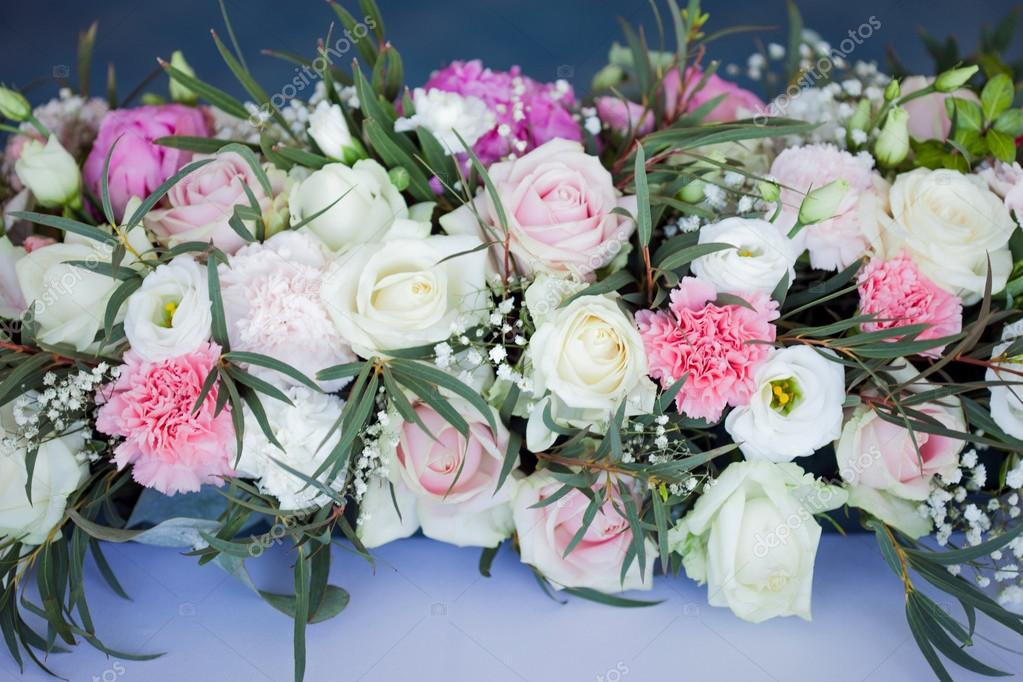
(953, 79)
(179, 92)
(13, 105)
(822, 203)
(892, 146)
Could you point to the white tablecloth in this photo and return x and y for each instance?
(427, 615)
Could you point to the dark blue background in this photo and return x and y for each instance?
(548, 38)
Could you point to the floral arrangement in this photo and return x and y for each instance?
(670, 325)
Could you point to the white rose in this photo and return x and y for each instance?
(302, 429)
(796, 409)
(405, 292)
(12, 302)
(442, 481)
(169, 314)
(369, 207)
(950, 224)
(50, 172)
(752, 538)
(446, 113)
(1006, 401)
(589, 357)
(68, 302)
(761, 257)
(328, 127)
(58, 472)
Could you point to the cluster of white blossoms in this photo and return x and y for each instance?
(954, 510)
(63, 402)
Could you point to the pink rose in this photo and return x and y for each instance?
(886, 457)
(544, 533)
(928, 118)
(558, 201)
(171, 448)
(1005, 180)
(201, 204)
(138, 166)
(444, 482)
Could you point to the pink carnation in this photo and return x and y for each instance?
(720, 346)
(898, 294)
(835, 243)
(138, 166)
(528, 113)
(150, 405)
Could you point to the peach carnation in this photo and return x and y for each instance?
(150, 404)
(898, 294)
(719, 346)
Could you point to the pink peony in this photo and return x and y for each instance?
(528, 113)
(202, 203)
(835, 243)
(899, 295)
(623, 115)
(138, 166)
(720, 346)
(272, 303)
(150, 405)
(737, 103)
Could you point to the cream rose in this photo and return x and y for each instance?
(796, 409)
(68, 302)
(752, 537)
(12, 301)
(1006, 401)
(170, 313)
(559, 204)
(949, 223)
(587, 358)
(761, 257)
(405, 292)
(443, 482)
(57, 473)
(328, 127)
(369, 207)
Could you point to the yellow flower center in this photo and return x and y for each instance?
(784, 394)
(168, 314)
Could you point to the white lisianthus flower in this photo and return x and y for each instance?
(405, 292)
(58, 471)
(367, 204)
(68, 302)
(50, 172)
(443, 482)
(752, 538)
(949, 224)
(1006, 401)
(761, 257)
(796, 409)
(169, 314)
(12, 301)
(328, 127)
(446, 113)
(300, 428)
(589, 358)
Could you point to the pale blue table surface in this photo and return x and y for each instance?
(427, 615)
